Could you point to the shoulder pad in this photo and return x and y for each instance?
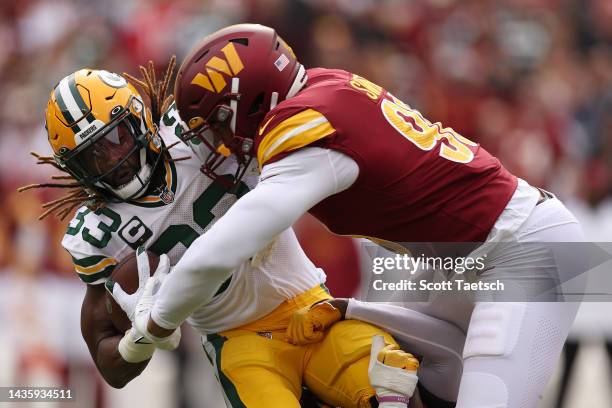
(287, 130)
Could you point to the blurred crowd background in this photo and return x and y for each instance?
(531, 80)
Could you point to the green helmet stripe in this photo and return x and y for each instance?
(64, 109)
(79, 99)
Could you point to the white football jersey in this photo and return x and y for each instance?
(169, 221)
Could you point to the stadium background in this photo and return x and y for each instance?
(529, 79)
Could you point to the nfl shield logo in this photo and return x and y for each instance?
(167, 196)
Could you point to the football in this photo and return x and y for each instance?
(126, 274)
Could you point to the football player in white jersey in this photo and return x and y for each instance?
(132, 193)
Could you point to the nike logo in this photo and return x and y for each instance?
(263, 128)
(142, 340)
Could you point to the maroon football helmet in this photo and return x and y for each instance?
(225, 87)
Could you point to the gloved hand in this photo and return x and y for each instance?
(308, 325)
(138, 305)
(392, 374)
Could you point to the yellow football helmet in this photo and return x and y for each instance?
(102, 134)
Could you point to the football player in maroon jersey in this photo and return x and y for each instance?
(332, 143)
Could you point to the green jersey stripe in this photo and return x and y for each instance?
(103, 274)
(89, 261)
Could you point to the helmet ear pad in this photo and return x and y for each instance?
(155, 143)
(153, 138)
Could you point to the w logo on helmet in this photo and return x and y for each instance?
(213, 80)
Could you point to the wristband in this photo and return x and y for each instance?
(134, 348)
(393, 398)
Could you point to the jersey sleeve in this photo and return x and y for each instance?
(287, 130)
(92, 264)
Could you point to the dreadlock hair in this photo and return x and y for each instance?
(155, 90)
(157, 93)
(77, 194)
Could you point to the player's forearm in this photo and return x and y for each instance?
(213, 257)
(287, 190)
(210, 260)
(194, 281)
(102, 339)
(114, 369)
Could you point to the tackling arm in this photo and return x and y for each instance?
(288, 189)
(103, 339)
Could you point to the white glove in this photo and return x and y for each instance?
(394, 385)
(138, 305)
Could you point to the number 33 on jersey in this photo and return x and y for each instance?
(168, 221)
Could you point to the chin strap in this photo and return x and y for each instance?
(298, 83)
(137, 186)
(234, 104)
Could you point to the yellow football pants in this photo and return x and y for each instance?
(257, 368)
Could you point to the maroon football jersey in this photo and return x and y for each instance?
(418, 181)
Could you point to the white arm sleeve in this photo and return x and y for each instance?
(439, 343)
(287, 189)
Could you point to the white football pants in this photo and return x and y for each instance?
(511, 348)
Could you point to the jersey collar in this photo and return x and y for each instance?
(165, 194)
